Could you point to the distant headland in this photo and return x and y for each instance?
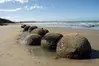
(5, 21)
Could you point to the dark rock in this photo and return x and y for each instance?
(73, 46)
(50, 40)
(26, 28)
(32, 28)
(22, 26)
(32, 39)
(45, 31)
(40, 31)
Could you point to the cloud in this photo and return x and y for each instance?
(12, 18)
(36, 6)
(33, 7)
(20, 1)
(2, 1)
(27, 8)
(6, 17)
(10, 10)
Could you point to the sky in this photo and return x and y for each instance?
(50, 10)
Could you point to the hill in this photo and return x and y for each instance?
(5, 21)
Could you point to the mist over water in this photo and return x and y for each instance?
(72, 25)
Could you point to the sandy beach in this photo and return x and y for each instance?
(15, 54)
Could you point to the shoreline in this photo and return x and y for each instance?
(19, 24)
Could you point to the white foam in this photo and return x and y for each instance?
(85, 25)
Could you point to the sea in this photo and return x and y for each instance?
(94, 25)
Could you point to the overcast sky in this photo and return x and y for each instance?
(39, 10)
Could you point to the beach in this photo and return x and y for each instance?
(15, 54)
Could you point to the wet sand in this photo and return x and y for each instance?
(15, 54)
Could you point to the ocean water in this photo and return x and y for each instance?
(70, 25)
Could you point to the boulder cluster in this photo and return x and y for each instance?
(72, 45)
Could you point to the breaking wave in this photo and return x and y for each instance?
(77, 25)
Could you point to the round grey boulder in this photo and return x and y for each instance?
(26, 28)
(45, 31)
(22, 26)
(50, 40)
(32, 28)
(73, 46)
(32, 39)
(40, 31)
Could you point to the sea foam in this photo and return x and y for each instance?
(73, 25)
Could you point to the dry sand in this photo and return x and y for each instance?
(14, 54)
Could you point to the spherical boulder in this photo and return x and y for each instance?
(45, 31)
(50, 40)
(73, 46)
(32, 28)
(26, 28)
(32, 39)
(40, 31)
(22, 26)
